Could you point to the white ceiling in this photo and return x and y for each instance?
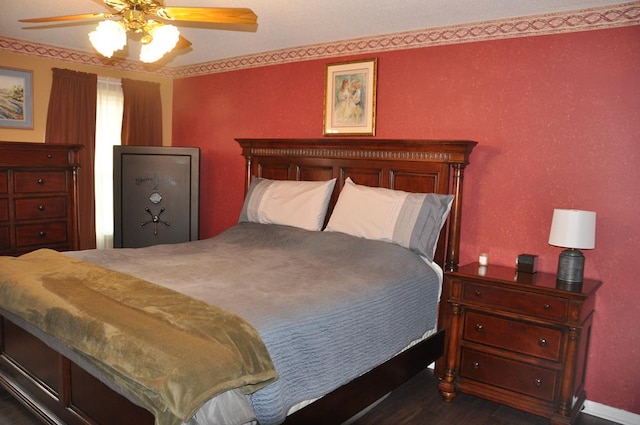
(282, 24)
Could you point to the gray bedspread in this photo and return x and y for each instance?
(328, 306)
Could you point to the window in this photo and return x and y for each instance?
(108, 134)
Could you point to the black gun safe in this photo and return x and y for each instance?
(155, 195)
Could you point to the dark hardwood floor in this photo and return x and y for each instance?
(415, 403)
(13, 413)
(418, 402)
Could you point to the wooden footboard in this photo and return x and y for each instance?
(57, 390)
(60, 392)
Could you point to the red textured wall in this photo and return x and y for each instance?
(557, 119)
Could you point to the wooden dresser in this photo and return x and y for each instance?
(38, 197)
(516, 338)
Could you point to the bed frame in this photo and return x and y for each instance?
(61, 392)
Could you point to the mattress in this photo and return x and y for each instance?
(328, 306)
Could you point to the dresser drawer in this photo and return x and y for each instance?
(4, 182)
(522, 337)
(41, 234)
(542, 306)
(4, 210)
(509, 374)
(38, 154)
(34, 208)
(40, 181)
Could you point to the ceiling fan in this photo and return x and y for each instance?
(149, 19)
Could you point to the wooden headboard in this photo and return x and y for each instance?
(424, 166)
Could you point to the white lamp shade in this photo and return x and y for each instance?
(573, 229)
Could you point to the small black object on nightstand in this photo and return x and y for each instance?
(527, 263)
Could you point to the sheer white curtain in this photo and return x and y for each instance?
(108, 130)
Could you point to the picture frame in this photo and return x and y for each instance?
(350, 98)
(16, 98)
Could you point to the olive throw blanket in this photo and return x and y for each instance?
(167, 351)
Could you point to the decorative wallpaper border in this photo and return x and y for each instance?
(582, 20)
(625, 14)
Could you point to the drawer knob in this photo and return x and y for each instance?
(42, 234)
(40, 181)
(542, 342)
(475, 365)
(41, 207)
(49, 156)
(538, 382)
(547, 306)
(478, 293)
(479, 327)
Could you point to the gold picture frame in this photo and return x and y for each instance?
(350, 98)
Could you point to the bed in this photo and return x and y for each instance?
(61, 385)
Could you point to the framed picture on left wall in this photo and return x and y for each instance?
(16, 98)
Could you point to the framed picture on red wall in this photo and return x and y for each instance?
(350, 98)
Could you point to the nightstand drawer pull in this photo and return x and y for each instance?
(542, 342)
(40, 181)
(41, 207)
(478, 293)
(42, 234)
(547, 306)
(479, 327)
(476, 365)
(538, 382)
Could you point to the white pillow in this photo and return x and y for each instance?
(292, 203)
(411, 220)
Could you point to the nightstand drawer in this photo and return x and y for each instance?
(522, 337)
(33, 208)
(509, 374)
(542, 306)
(41, 234)
(40, 181)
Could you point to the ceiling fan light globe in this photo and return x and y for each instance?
(108, 37)
(164, 39)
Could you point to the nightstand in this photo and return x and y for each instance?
(519, 339)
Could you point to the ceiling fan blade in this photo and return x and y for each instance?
(217, 15)
(65, 18)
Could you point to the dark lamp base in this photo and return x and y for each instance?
(570, 266)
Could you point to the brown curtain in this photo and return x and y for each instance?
(71, 119)
(142, 114)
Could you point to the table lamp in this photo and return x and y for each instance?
(574, 230)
